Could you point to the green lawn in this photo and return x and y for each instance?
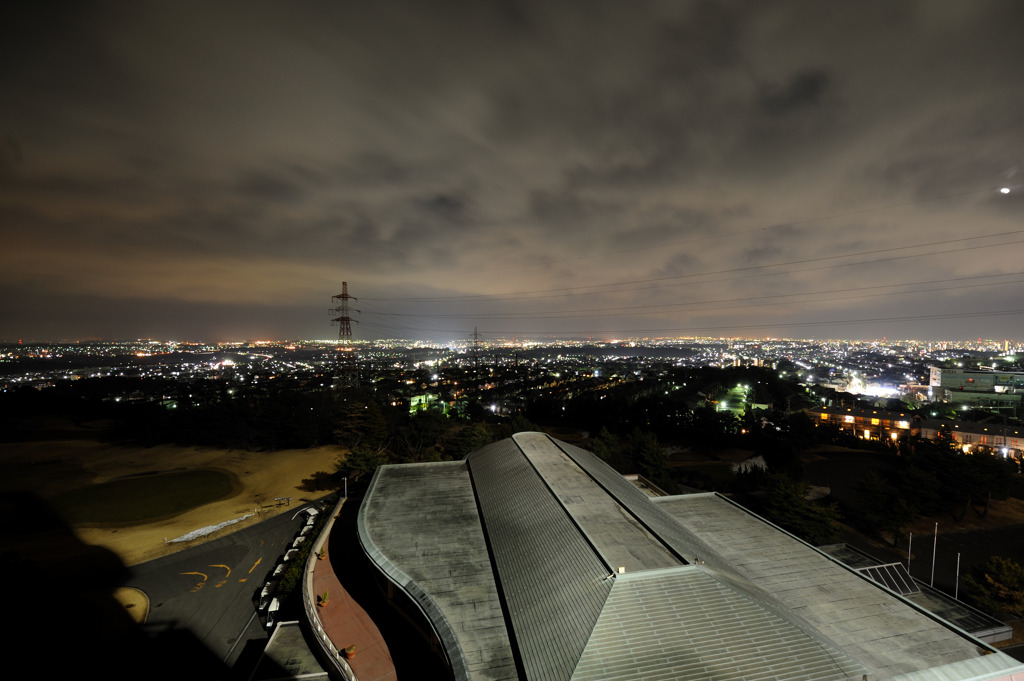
(142, 499)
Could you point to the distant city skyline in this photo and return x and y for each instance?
(608, 170)
(532, 338)
(160, 345)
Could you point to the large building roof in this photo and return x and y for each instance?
(532, 559)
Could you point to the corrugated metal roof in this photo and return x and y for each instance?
(684, 544)
(614, 530)
(553, 582)
(683, 624)
(887, 635)
(509, 554)
(956, 612)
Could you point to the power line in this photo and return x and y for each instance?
(773, 325)
(739, 273)
(557, 292)
(634, 310)
(752, 230)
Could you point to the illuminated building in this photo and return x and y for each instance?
(869, 424)
(977, 388)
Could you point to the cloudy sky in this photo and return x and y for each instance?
(216, 170)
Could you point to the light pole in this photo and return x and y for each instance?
(346, 487)
(935, 542)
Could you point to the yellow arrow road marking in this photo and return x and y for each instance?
(199, 585)
(258, 561)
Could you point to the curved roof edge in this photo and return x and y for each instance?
(430, 610)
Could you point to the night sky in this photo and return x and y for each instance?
(215, 170)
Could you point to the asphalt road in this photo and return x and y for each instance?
(207, 593)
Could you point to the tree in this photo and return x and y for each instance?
(467, 439)
(879, 508)
(921, 489)
(418, 438)
(709, 429)
(646, 454)
(997, 586)
(320, 481)
(990, 476)
(787, 507)
(782, 457)
(361, 423)
(363, 459)
(517, 424)
(750, 479)
(605, 446)
(870, 503)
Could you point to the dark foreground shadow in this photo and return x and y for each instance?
(63, 621)
(409, 650)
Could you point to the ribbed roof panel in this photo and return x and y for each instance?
(684, 544)
(553, 582)
(683, 624)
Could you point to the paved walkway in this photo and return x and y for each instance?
(347, 624)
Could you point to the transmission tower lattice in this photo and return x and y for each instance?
(476, 349)
(346, 353)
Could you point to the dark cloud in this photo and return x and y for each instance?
(11, 156)
(373, 169)
(267, 187)
(165, 318)
(567, 209)
(661, 167)
(804, 90)
(445, 207)
(197, 154)
(763, 255)
(679, 264)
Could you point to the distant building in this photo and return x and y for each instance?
(869, 424)
(1007, 440)
(977, 388)
(879, 424)
(418, 403)
(532, 559)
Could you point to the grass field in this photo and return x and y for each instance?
(143, 499)
(131, 500)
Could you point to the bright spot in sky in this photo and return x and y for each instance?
(1005, 190)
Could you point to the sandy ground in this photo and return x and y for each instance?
(48, 468)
